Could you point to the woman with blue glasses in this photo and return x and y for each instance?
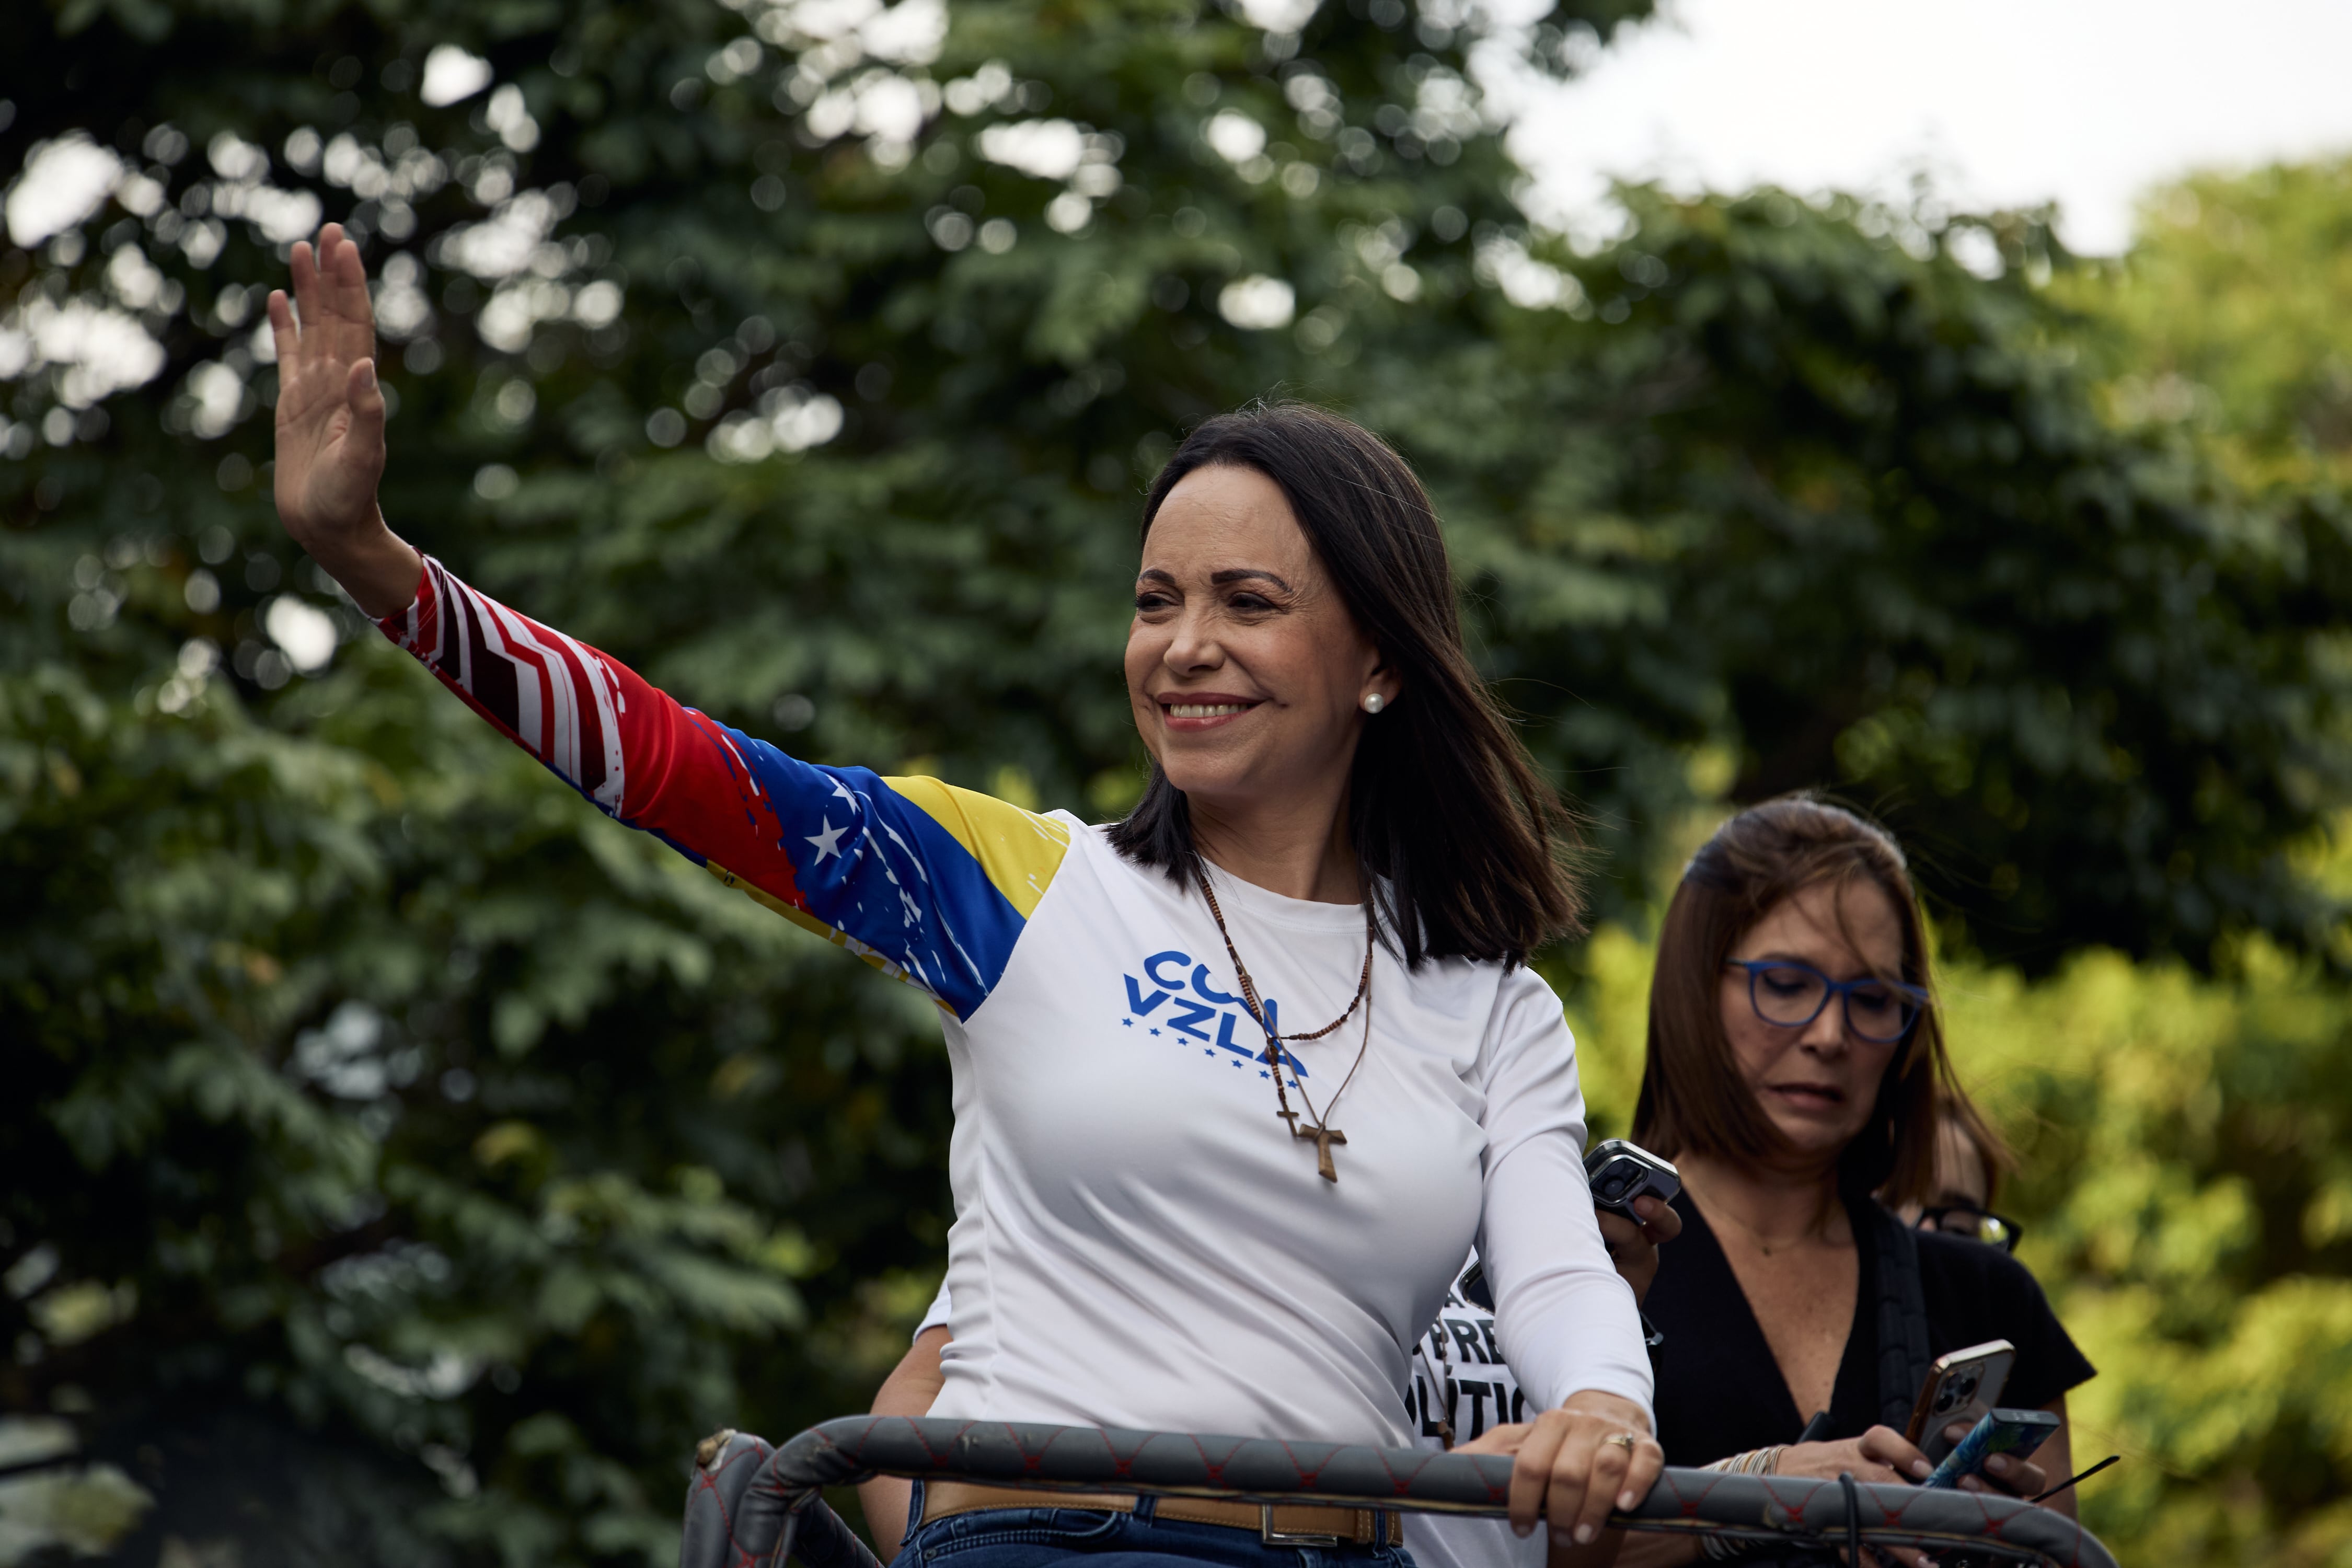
(1796, 1067)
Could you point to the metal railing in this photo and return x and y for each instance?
(753, 1506)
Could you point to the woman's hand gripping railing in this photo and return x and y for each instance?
(751, 1507)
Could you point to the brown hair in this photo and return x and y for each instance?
(1693, 1097)
(1993, 1156)
(1469, 848)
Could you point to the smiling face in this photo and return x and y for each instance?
(1818, 1083)
(1246, 671)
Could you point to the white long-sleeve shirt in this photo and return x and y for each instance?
(1138, 1241)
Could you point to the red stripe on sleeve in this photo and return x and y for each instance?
(634, 751)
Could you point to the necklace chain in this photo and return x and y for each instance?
(1817, 1231)
(1319, 1131)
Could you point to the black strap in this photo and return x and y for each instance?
(1853, 1519)
(1903, 1353)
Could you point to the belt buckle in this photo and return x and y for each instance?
(1269, 1536)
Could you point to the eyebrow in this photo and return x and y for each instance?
(1809, 963)
(1218, 579)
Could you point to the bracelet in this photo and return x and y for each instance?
(1755, 1462)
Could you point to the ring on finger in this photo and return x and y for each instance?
(1625, 1440)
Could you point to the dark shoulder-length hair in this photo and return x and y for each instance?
(1469, 848)
(1694, 1099)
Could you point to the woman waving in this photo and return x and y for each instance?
(1237, 1080)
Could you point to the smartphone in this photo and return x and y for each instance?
(1620, 1172)
(1960, 1387)
(2016, 1433)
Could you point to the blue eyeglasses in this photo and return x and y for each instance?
(1790, 995)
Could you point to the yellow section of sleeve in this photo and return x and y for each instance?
(1018, 850)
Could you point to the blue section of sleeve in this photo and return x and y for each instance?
(883, 873)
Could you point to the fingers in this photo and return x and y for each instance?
(1647, 1463)
(1823, 1461)
(1532, 1471)
(302, 267)
(1507, 1438)
(334, 318)
(1885, 1446)
(1581, 1458)
(1854, 1455)
(1604, 1476)
(281, 328)
(1659, 1222)
(2021, 1478)
(1618, 1234)
(347, 274)
(1631, 1252)
(1568, 1488)
(366, 399)
(2011, 1477)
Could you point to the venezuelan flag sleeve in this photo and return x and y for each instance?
(928, 882)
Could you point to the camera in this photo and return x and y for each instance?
(1619, 1173)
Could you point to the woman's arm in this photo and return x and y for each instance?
(1567, 1322)
(909, 1389)
(930, 883)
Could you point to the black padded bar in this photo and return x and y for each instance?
(1265, 1471)
(743, 1511)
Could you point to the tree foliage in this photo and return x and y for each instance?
(2229, 318)
(1831, 512)
(407, 1159)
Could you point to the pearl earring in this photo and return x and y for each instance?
(1374, 703)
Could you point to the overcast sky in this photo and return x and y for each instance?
(2007, 102)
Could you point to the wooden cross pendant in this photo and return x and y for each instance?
(1322, 1138)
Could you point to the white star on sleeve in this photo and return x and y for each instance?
(829, 841)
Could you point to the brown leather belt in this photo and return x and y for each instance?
(1280, 1524)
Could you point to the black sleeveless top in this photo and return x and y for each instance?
(1920, 1294)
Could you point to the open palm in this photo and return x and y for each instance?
(330, 409)
(331, 426)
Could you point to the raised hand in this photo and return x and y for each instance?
(331, 414)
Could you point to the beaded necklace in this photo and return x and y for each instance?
(1319, 1131)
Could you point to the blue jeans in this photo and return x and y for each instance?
(1034, 1537)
